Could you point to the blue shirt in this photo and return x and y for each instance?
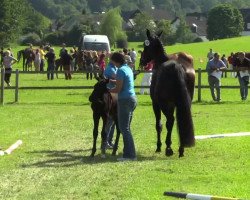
(125, 74)
(213, 65)
(110, 73)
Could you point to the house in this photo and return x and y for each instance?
(246, 17)
(128, 19)
(198, 24)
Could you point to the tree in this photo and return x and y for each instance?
(167, 35)
(183, 33)
(224, 21)
(111, 25)
(143, 21)
(11, 19)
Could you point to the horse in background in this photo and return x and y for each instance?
(28, 56)
(172, 88)
(103, 105)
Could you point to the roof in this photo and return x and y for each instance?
(159, 14)
(198, 20)
(127, 15)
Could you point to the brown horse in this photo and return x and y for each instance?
(28, 56)
(172, 88)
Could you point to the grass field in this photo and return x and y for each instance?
(56, 128)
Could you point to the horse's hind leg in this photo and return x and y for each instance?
(169, 113)
(96, 118)
(181, 152)
(157, 112)
(117, 138)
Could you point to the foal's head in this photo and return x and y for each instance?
(100, 89)
(153, 48)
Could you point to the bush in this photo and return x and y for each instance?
(56, 38)
(122, 40)
(31, 38)
(198, 39)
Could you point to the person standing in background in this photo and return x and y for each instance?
(37, 61)
(214, 69)
(42, 54)
(66, 62)
(243, 66)
(8, 62)
(147, 78)
(210, 54)
(224, 60)
(133, 56)
(51, 58)
(231, 64)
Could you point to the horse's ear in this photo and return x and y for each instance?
(159, 34)
(148, 34)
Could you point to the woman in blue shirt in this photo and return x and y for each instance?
(126, 104)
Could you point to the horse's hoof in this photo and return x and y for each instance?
(158, 150)
(181, 155)
(92, 155)
(169, 152)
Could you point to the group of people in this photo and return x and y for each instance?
(217, 65)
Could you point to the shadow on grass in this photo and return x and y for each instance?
(64, 158)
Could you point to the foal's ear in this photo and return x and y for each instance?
(159, 34)
(148, 34)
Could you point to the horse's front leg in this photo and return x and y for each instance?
(181, 152)
(96, 118)
(157, 112)
(118, 133)
(104, 136)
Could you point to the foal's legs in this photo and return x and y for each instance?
(117, 138)
(96, 118)
(169, 113)
(157, 112)
(104, 135)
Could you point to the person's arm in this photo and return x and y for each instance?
(118, 88)
(222, 66)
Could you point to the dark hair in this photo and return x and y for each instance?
(125, 50)
(118, 58)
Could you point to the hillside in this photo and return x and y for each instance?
(199, 50)
(55, 9)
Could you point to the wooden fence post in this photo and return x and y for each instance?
(199, 84)
(2, 86)
(17, 86)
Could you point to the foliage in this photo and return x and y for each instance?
(143, 21)
(224, 21)
(122, 40)
(167, 32)
(183, 33)
(56, 38)
(111, 25)
(31, 38)
(11, 20)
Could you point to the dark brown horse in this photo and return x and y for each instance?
(172, 88)
(103, 105)
(28, 56)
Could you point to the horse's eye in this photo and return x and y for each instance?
(147, 43)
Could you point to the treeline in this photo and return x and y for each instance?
(55, 9)
(17, 18)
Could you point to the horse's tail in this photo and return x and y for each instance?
(19, 55)
(183, 103)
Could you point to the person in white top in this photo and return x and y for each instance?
(133, 55)
(38, 60)
(214, 69)
(8, 61)
(210, 54)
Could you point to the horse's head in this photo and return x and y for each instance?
(153, 48)
(100, 89)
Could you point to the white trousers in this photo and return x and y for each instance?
(146, 81)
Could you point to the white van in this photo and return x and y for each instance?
(95, 43)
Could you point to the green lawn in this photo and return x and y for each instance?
(56, 128)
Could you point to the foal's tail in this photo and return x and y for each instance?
(183, 112)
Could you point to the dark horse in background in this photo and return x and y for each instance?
(28, 56)
(172, 88)
(103, 105)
